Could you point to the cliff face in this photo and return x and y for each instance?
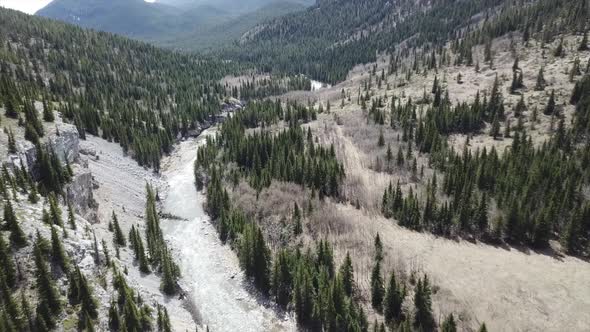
(65, 141)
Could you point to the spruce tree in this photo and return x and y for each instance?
(423, 318)
(114, 318)
(550, 108)
(45, 285)
(449, 324)
(347, 275)
(17, 236)
(392, 304)
(559, 50)
(540, 85)
(54, 210)
(118, 236)
(377, 289)
(57, 251)
(7, 263)
(71, 217)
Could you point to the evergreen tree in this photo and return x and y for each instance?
(47, 112)
(17, 236)
(423, 318)
(559, 50)
(54, 210)
(540, 85)
(449, 324)
(550, 108)
(57, 251)
(377, 289)
(392, 303)
(347, 275)
(114, 319)
(71, 217)
(7, 263)
(118, 236)
(169, 275)
(48, 294)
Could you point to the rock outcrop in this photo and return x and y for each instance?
(65, 143)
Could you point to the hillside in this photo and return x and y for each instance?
(192, 25)
(445, 176)
(330, 38)
(223, 30)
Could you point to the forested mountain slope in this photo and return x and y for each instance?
(328, 39)
(189, 25)
(138, 95)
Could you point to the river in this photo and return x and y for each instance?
(210, 270)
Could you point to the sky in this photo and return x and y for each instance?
(27, 6)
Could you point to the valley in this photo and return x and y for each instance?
(337, 165)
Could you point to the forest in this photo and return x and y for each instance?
(327, 40)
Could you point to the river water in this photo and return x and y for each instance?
(210, 270)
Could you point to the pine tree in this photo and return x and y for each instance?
(11, 107)
(7, 263)
(550, 108)
(572, 239)
(378, 248)
(17, 236)
(163, 320)
(114, 319)
(169, 277)
(281, 278)
(540, 86)
(45, 285)
(392, 304)
(47, 112)
(347, 275)
(10, 305)
(87, 300)
(33, 196)
(54, 210)
(495, 130)
(24, 304)
(118, 236)
(85, 322)
(449, 324)
(71, 217)
(559, 51)
(377, 289)
(11, 142)
(423, 318)
(57, 251)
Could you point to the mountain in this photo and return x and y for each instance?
(134, 18)
(180, 24)
(328, 39)
(234, 6)
(223, 29)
